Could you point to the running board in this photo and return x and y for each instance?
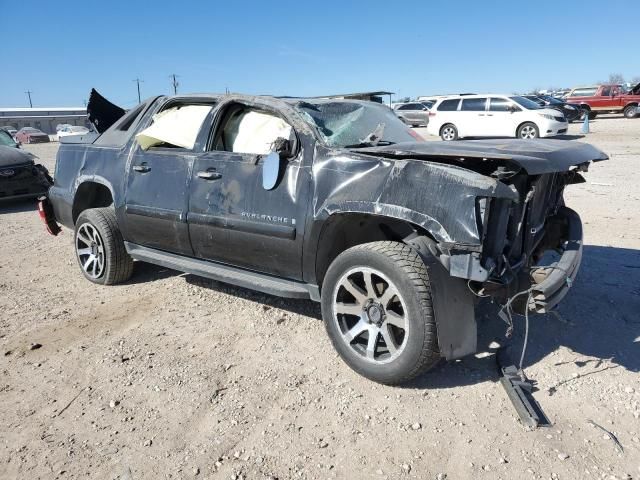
(225, 273)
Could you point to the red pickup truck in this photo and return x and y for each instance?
(606, 98)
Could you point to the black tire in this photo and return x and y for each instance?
(407, 275)
(588, 111)
(630, 111)
(117, 265)
(528, 130)
(449, 132)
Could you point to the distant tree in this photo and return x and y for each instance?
(616, 78)
(404, 100)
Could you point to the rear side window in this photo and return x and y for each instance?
(174, 127)
(499, 104)
(473, 104)
(449, 105)
(412, 106)
(583, 92)
(606, 91)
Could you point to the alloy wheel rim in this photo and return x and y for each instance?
(448, 133)
(528, 132)
(370, 315)
(90, 250)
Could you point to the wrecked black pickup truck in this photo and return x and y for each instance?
(331, 200)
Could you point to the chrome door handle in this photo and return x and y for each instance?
(141, 168)
(209, 175)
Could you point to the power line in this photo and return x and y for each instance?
(137, 80)
(174, 83)
(29, 92)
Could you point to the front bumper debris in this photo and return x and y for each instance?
(552, 282)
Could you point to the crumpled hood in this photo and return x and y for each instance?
(535, 156)
(10, 156)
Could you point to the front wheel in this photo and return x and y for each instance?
(100, 249)
(528, 130)
(631, 111)
(377, 310)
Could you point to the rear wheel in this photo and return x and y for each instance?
(100, 249)
(528, 130)
(449, 132)
(376, 306)
(631, 111)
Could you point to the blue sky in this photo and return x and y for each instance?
(61, 49)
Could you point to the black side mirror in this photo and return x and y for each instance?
(283, 147)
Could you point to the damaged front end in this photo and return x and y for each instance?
(528, 242)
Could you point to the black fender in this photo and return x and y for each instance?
(453, 304)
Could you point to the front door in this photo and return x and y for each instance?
(232, 218)
(502, 120)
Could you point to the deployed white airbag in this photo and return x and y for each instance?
(254, 132)
(177, 126)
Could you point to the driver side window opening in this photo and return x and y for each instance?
(253, 131)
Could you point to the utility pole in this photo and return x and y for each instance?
(174, 83)
(137, 80)
(29, 92)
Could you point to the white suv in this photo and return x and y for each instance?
(493, 116)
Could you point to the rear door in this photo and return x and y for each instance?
(157, 195)
(472, 117)
(232, 218)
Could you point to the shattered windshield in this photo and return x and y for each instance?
(354, 124)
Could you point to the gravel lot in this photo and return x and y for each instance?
(173, 376)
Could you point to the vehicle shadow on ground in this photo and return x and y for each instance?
(568, 137)
(18, 206)
(599, 322)
(147, 272)
(300, 307)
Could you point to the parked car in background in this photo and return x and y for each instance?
(413, 113)
(20, 176)
(571, 112)
(606, 98)
(7, 140)
(493, 116)
(67, 130)
(31, 135)
(10, 130)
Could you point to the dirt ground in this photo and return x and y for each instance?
(173, 376)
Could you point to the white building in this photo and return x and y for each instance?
(44, 119)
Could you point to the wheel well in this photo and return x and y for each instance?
(343, 231)
(90, 195)
(446, 125)
(585, 106)
(631, 104)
